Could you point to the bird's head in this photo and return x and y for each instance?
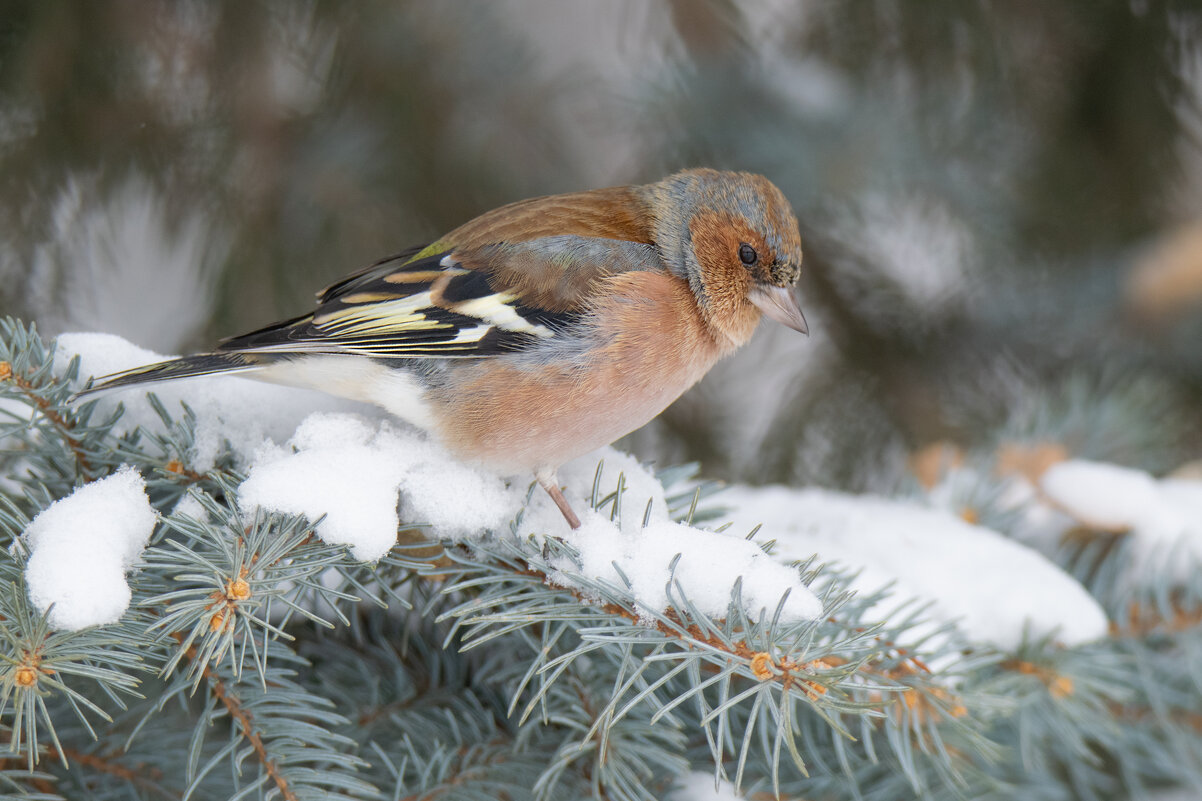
(734, 238)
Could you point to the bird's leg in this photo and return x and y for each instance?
(548, 481)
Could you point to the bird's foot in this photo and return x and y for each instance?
(548, 481)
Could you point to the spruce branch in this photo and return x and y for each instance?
(831, 669)
(237, 585)
(35, 394)
(290, 732)
(70, 448)
(244, 720)
(1149, 618)
(23, 782)
(432, 718)
(40, 664)
(139, 775)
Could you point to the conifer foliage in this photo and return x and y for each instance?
(256, 660)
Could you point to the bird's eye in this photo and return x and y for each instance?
(747, 254)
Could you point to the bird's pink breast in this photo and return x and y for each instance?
(650, 346)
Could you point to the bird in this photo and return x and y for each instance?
(543, 329)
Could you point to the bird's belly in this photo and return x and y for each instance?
(357, 378)
(530, 420)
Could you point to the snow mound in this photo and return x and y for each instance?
(709, 564)
(623, 551)
(700, 786)
(81, 547)
(1163, 517)
(363, 478)
(351, 470)
(991, 587)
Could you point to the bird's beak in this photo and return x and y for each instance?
(780, 304)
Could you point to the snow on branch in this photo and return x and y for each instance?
(81, 546)
(994, 589)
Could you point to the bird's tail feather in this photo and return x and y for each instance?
(186, 367)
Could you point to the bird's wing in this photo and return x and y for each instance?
(505, 281)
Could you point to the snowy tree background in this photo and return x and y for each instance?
(992, 435)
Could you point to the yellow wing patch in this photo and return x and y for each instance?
(401, 314)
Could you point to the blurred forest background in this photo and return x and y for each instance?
(1001, 201)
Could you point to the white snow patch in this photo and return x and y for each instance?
(577, 476)
(1104, 496)
(1164, 517)
(700, 786)
(707, 569)
(244, 412)
(190, 506)
(350, 470)
(709, 564)
(13, 410)
(81, 547)
(990, 586)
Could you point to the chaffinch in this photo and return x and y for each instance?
(543, 329)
